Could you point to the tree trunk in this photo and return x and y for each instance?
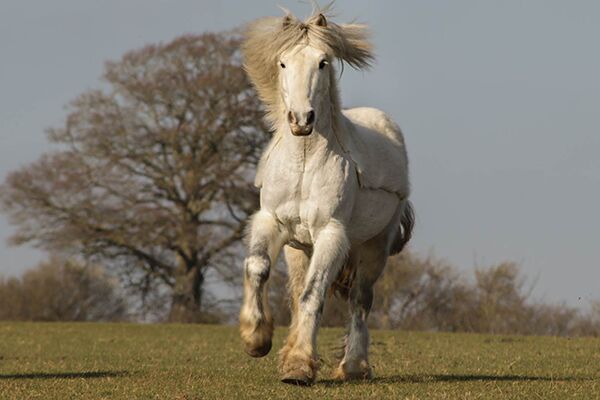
(187, 295)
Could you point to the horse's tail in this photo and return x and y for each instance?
(407, 223)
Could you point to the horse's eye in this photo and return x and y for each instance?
(282, 65)
(322, 64)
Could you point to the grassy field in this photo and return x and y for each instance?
(128, 361)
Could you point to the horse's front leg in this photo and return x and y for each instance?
(256, 323)
(329, 253)
(298, 262)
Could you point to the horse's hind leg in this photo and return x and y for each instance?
(355, 362)
(297, 262)
(256, 323)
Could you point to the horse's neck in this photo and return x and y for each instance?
(314, 146)
(305, 146)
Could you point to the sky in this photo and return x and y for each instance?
(499, 102)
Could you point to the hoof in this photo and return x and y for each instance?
(256, 337)
(299, 369)
(362, 371)
(258, 351)
(298, 378)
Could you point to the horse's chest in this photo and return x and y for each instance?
(305, 199)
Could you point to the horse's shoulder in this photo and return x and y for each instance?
(258, 180)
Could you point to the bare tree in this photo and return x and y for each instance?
(153, 175)
(422, 293)
(62, 290)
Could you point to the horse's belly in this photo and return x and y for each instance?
(373, 211)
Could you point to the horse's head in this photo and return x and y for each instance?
(304, 79)
(290, 63)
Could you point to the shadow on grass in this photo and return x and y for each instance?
(448, 378)
(66, 375)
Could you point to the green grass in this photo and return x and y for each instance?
(128, 361)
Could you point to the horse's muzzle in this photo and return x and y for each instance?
(301, 124)
(303, 130)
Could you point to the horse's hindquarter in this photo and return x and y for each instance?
(376, 146)
(372, 213)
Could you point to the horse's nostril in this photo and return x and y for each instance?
(291, 117)
(310, 117)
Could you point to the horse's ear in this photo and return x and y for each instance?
(321, 20)
(287, 20)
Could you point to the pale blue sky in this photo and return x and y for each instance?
(499, 102)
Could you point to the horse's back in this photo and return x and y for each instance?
(376, 120)
(376, 145)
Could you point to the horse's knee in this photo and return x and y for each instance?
(256, 269)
